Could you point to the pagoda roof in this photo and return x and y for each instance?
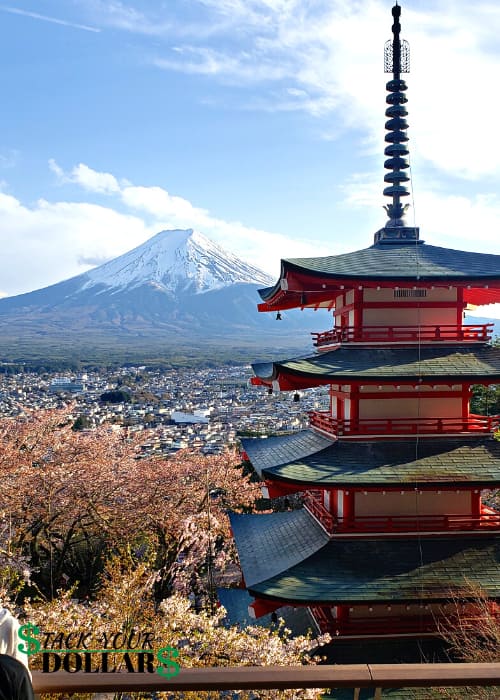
(428, 364)
(407, 263)
(345, 570)
(269, 545)
(308, 459)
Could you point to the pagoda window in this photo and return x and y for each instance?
(409, 293)
(392, 295)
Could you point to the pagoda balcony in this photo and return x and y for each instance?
(313, 502)
(418, 623)
(413, 523)
(324, 422)
(488, 521)
(403, 335)
(367, 626)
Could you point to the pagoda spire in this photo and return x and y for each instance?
(396, 61)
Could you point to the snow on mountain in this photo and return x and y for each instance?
(174, 261)
(176, 290)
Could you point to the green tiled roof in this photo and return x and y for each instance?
(307, 458)
(397, 262)
(359, 570)
(430, 363)
(286, 541)
(266, 453)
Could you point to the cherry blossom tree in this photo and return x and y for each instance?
(115, 542)
(126, 605)
(70, 498)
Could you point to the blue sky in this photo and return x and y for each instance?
(258, 122)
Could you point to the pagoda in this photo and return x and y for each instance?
(395, 474)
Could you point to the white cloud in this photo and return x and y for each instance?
(89, 179)
(160, 22)
(46, 242)
(445, 219)
(67, 238)
(47, 18)
(158, 202)
(207, 61)
(324, 57)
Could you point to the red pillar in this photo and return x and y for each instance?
(358, 308)
(475, 504)
(349, 505)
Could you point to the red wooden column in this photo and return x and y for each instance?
(460, 309)
(358, 309)
(354, 418)
(466, 396)
(475, 504)
(348, 506)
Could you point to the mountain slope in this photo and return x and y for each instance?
(176, 261)
(178, 287)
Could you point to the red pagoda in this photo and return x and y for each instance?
(394, 473)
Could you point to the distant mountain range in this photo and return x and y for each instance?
(176, 295)
(177, 290)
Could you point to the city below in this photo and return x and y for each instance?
(196, 409)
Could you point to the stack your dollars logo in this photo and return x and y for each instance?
(70, 652)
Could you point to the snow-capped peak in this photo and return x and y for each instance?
(176, 261)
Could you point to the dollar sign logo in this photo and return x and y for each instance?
(32, 645)
(166, 656)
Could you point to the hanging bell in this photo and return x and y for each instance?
(296, 397)
(278, 316)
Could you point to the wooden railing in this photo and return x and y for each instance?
(387, 524)
(375, 676)
(473, 425)
(424, 623)
(413, 523)
(404, 334)
(314, 504)
(388, 626)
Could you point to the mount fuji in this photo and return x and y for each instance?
(176, 262)
(178, 289)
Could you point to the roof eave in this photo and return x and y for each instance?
(267, 474)
(443, 598)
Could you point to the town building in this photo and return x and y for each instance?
(395, 526)
(66, 385)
